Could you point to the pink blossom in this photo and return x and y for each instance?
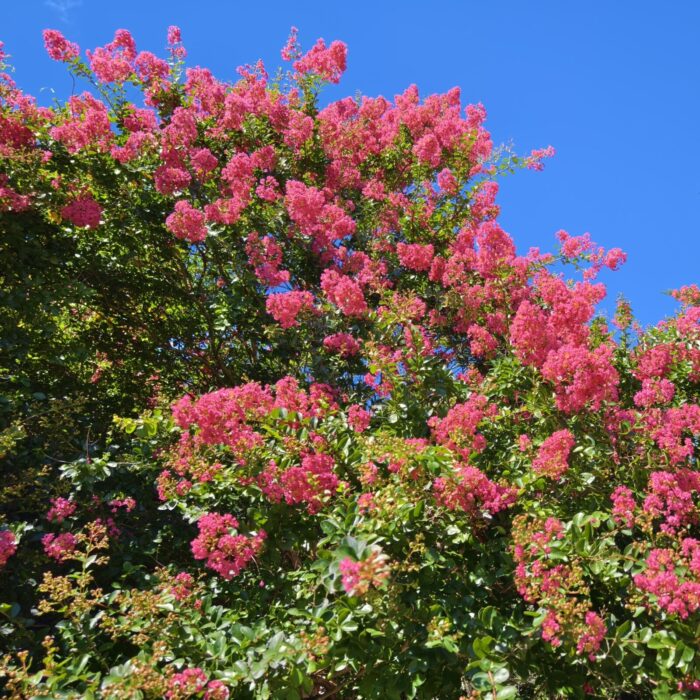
(428, 150)
(689, 294)
(416, 256)
(358, 577)
(344, 292)
(112, 63)
(582, 377)
(574, 246)
(655, 391)
(186, 222)
(285, 307)
(315, 217)
(84, 211)
(61, 508)
(59, 547)
(447, 182)
(150, 69)
(614, 258)
(265, 256)
(226, 553)
(481, 342)
(473, 492)
(671, 429)
(128, 504)
(11, 200)
(8, 546)
(185, 684)
(589, 642)
(551, 629)
(169, 179)
(534, 160)
(496, 249)
(553, 454)
(312, 483)
(359, 418)
(174, 35)
(654, 362)
(87, 125)
(183, 586)
(58, 47)
(624, 506)
(216, 690)
(305, 204)
(524, 443)
(291, 51)
(350, 572)
(203, 161)
(224, 417)
(458, 429)
(673, 592)
(366, 502)
(342, 343)
(328, 63)
(671, 497)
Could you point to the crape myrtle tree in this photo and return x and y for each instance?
(286, 415)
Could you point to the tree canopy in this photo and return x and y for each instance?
(286, 414)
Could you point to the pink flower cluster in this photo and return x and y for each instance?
(128, 504)
(528, 334)
(187, 223)
(230, 417)
(325, 222)
(112, 63)
(551, 629)
(458, 429)
(182, 589)
(534, 160)
(552, 458)
(265, 257)
(471, 490)
(344, 292)
(313, 482)
(535, 577)
(328, 63)
(416, 256)
(342, 343)
(285, 307)
(672, 430)
(223, 417)
(61, 508)
(624, 506)
(224, 552)
(58, 47)
(359, 418)
(59, 547)
(581, 377)
(671, 496)
(192, 682)
(86, 126)
(84, 211)
(8, 546)
(10, 200)
(358, 577)
(673, 592)
(589, 642)
(689, 295)
(655, 392)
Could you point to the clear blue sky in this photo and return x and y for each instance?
(613, 86)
